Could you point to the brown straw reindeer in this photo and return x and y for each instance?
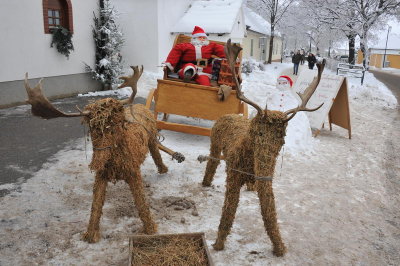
(250, 149)
(121, 138)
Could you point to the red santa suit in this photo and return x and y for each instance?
(184, 55)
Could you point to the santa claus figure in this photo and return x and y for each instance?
(194, 59)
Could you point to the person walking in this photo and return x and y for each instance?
(311, 60)
(296, 61)
(303, 55)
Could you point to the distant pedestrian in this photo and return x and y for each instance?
(311, 60)
(303, 55)
(296, 61)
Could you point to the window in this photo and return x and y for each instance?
(57, 13)
(251, 47)
(54, 17)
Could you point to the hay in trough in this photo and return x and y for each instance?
(176, 251)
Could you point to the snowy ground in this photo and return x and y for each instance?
(391, 70)
(334, 201)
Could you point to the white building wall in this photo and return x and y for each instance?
(251, 35)
(26, 48)
(138, 22)
(169, 12)
(236, 35)
(238, 28)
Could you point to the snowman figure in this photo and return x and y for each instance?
(283, 99)
(298, 131)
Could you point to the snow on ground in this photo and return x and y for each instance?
(371, 92)
(147, 81)
(391, 70)
(333, 204)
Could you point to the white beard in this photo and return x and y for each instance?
(197, 42)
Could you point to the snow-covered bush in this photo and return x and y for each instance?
(62, 39)
(109, 41)
(249, 65)
(261, 66)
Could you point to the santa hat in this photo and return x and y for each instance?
(286, 78)
(197, 32)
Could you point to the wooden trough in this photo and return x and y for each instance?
(169, 249)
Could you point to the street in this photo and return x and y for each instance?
(26, 142)
(392, 81)
(392, 163)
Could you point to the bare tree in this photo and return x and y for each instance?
(273, 11)
(367, 14)
(339, 16)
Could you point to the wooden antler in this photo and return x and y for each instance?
(232, 52)
(306, 95)
(131, 81)
(41, 106)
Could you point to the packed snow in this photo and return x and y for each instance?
(331, 193)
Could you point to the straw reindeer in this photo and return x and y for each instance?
(121, 138)
(250, 149)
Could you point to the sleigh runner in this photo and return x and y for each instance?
(173, 96)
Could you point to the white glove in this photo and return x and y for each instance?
(168, 64)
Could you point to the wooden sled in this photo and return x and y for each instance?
(173, 96)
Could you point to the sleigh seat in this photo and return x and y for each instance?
(173, 96)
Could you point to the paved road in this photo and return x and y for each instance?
(392, 81)
(26, 142)
(392, 162)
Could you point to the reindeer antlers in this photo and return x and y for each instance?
(232, 52)
(131, 81)
(306, 95)
(41, 106)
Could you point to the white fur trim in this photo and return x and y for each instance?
(197, 42)
(190, 67)
(198, 51)
(199, 34)
(201, 73)
(168, 64)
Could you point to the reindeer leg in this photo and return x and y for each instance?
(155, 154)
(251, 186)
(136, 185)
(229, 210)
(268, 211)
(215, 152)
(92, 234)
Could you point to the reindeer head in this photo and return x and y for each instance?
(42, 107)
(268, 128)
(105, 118)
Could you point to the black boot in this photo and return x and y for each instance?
(187, 76)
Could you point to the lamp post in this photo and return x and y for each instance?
(282, 40)
(329, 51)
(310, 42)
(387, 37)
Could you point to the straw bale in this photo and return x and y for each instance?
(250, 149)
(115, 139)
(171, 251)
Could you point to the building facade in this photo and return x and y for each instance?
(149, 29)
(257, 38)
(376, 56)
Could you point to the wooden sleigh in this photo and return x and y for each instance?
(173, 96)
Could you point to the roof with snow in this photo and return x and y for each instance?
(255, 22)
(215, 16)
